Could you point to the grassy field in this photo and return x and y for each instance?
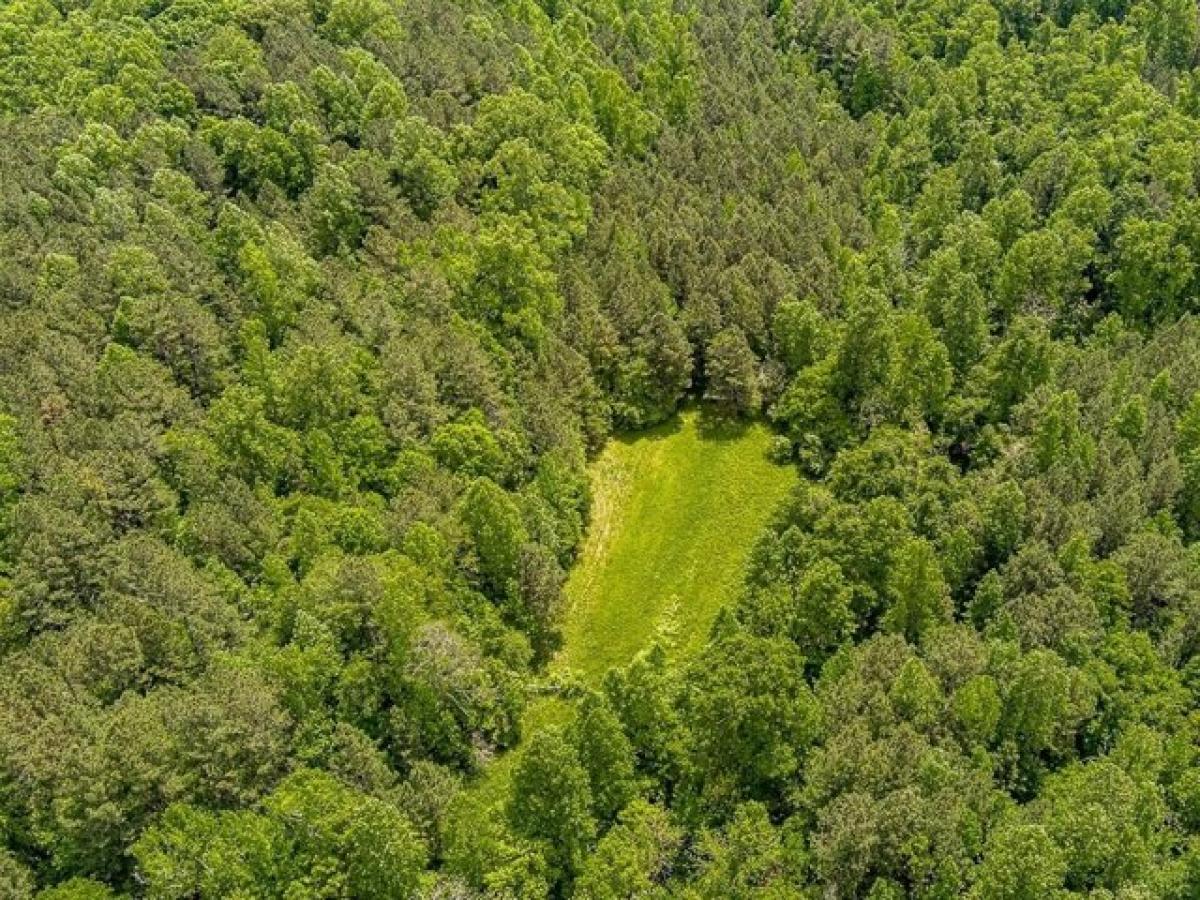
(675, 511)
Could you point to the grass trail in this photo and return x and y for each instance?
(675, 511)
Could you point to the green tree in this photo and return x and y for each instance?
(917, 594)
(551, 801)
(497, 532)
(1152, 272)
(606, 755)
(801, 334)
(1020, 862)
(314, 834)
(634, 858)
(751, 716)
(15, 878)
(337, 216)
(1187, 449)
(920, 376)
(731, 373)
(750, 857)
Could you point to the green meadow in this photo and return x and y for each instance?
(675, 511)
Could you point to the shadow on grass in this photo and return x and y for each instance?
(712, 424)
(715, 424)
(659, 432)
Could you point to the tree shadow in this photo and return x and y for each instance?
(661, 431)
(715, 424)
(712, 424)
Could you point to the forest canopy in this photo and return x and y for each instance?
(313, 312)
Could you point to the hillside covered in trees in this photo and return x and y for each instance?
(313, 312)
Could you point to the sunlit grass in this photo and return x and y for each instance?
(675, 512)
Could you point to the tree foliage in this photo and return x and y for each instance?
(311, 316)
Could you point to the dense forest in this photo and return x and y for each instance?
(312, 313)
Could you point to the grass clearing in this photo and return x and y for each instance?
(675, 512)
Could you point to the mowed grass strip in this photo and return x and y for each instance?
(676, 510)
